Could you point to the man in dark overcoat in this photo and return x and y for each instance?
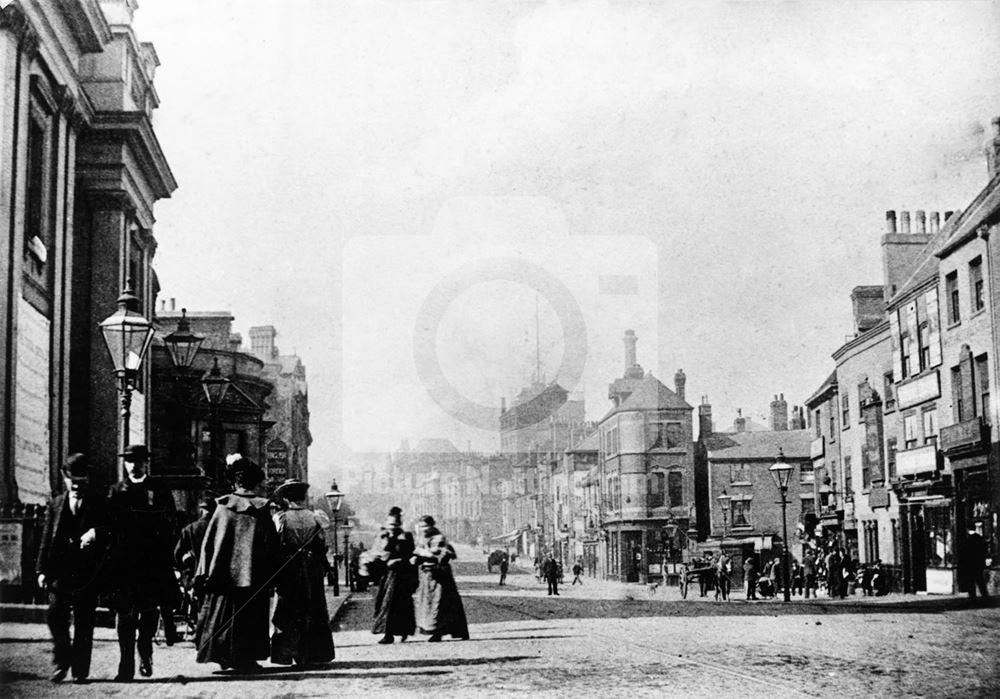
(550, 571)
(71, 560)
(144, 520)
(972, 564)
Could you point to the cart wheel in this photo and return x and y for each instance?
(684, 587)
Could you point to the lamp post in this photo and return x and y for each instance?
(127, 335)
(348, 580)
(724, 501)
(781, 471)
(215, 386)
(334, 498)
(182, 346)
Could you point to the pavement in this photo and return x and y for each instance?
(597, 639)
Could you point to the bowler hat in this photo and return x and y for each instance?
(135, 452)
(76, 467)
(292, 488)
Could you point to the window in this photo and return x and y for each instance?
(807, 473)
(957, 404)
(889, 391)
(611, 441)
(657, 489)
(930, 426)
(675, 486)
(890, 448)
(916, 339)
(808, 506)
(976, 284)
(848, 479)
(845, 408)
(818, 428)
(923, 339)
(937, 524)
(739, 473)
(866, 474)
(741, 513)
(833, 422)
(911, 428)
(951, 294)
(983, 386)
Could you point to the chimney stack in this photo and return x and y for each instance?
(935, 222)
(173, 304)
(704, 418)
(904, 222)
(679, 381)
(503, 405)
(741, 422)
(779, 413)
(993, 150)
(890, 222)
(630, 340)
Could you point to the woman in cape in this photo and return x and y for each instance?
(237, 561)
(301, 621)
(439, 607)
(394, 599)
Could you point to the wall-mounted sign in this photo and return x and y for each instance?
(926, 388)
(31, 416)
(276, 461)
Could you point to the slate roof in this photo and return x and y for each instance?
(830, 382)
(435, 445)
(649, 393)
(759, 445)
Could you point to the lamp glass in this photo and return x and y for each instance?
(334, 497)
(781, 471)
(724, 500)
(127, 335)
(215, 384)
(182, 344)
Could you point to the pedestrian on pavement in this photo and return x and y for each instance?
(236, 566)
(972, 564)
(834, 572)
(577, 572)
(144, 519)
(550, 571)
(188, 551)
(809, 572)
(301, 620)
(394, 614)
(723, 571)
(71, 562)
(798, 580)
(438, 606)
(750, 574)
(504, 566)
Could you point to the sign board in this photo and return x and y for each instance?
(925, 388)
(276, 461)
(912, 462)
(10, 552)
(31, 414)
(878, 497)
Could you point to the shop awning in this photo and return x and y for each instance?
(510, 536)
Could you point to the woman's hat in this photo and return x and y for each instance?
(76, 467)
(292, 488)
(428, 520)
(238, 464)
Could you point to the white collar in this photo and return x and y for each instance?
(138, 480)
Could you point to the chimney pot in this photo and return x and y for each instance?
(935, 222)
(921, 222)
(890, 222)
(904, 222)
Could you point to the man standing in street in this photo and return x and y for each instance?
(550, 571)
(577, 572)
(972, 564)
(809, 571)
(750, 573)
(70, 564)
(504, 567)
(144, 524)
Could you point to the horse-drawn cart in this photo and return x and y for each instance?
(689, 575)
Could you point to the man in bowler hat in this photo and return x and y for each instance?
(144, 520)
(70, 564)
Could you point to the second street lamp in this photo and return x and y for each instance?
(127, 335)
(781, 471)
(335, 498)
(215, 386)
(724, 501)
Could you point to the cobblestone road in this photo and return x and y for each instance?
(599, 639)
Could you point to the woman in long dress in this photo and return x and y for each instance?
(238, 557)
(301, 620)
(394, 599)
(438, 606)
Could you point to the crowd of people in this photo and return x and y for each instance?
(121, 544)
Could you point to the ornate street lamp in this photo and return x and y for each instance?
(724, 501)
(127, 335)
(182, 344)
(781, 471)
(335, 498)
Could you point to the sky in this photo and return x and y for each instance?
(407, 190)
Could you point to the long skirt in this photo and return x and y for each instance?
(301, 621)
(233, 628)
(439, 607)
(394, 604)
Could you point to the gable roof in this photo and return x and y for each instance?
(649, 393)
(828, 385)
(759, 445)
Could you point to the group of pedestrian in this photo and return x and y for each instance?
(416, 586)
(121, 543)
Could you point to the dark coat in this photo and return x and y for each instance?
(66, 566)
(188, 548)
(394, 613)
(550, 569)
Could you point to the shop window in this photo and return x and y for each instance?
(657, 489)
(740, 513)
(937, 522)
(983, 386)
(675, 486)
(951, 293)
(930, 426)
(976, 284)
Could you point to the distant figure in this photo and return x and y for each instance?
(750, 573)
(972, 564)
(809, 572)
(70, 564)
(577, 572)
(504, 565)
(550, 571)
(723, 569)
(394, 614)
(438, 606)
